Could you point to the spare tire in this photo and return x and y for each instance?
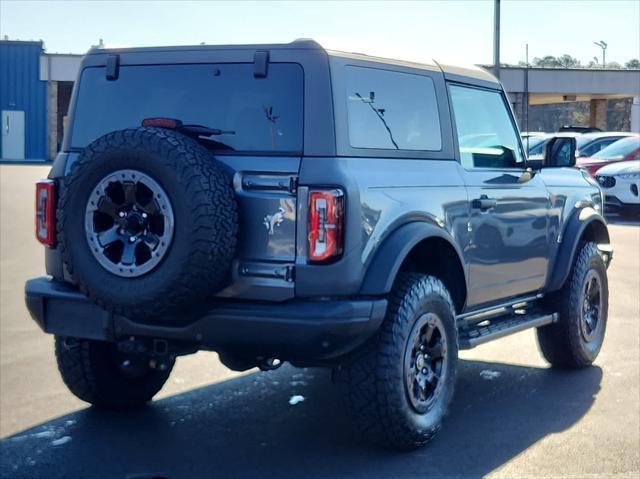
(147, 223)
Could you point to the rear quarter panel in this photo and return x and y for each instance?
(382, 195)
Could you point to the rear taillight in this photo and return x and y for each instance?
(45, 212)
(326, 218)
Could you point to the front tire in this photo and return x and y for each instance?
(400, 383)
(582, 303)
(95, 372)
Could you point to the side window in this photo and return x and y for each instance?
(601, 145)
(595, 147)
(391, 110)
(486, 135)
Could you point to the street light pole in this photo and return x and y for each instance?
(496, 38)
(602, 44)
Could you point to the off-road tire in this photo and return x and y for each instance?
(562, 343)
(91, 372)
(198, 259)
(374, 377)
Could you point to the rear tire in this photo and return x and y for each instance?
(93, 372)
(400, 383)
(582, 304)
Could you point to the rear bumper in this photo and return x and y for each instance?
(294, 330)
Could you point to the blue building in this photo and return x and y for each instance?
(35, 91)
(23, 102)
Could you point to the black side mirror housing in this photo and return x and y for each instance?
(560, 151)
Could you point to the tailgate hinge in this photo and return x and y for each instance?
(293, 184)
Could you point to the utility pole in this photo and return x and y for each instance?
(602, 44)
(526, 94)
(496, 38)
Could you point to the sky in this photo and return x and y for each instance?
(448, 31)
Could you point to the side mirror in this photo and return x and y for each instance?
(560, 151)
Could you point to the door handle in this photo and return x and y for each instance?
(484, 203)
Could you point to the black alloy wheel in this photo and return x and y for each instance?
(129, 223)
(425, 363)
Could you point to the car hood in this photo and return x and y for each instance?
(620, 167)
(589, 160)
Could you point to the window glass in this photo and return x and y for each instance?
(619, 149)
(486, 135)
(390, 110)
(536, 144)
(256, 114)
(596, 146)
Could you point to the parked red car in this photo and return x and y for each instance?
(622, 150)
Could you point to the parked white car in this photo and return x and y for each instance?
(620, 183)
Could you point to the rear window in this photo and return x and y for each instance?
(392, 111)
(258, 114)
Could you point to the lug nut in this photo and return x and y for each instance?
(122, 214)
(144, 215)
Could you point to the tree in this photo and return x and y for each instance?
(564, 61)
(548, 61)
(633, 64)
(567, 61)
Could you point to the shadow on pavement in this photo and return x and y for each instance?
(245, 427)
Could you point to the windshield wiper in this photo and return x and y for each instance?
(202, 130)
(198, 132)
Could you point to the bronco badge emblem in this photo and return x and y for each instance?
(271, 221)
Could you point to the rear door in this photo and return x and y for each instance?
(13, 135)
(508, 205)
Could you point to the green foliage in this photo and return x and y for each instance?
(567, 61)
(633, 64)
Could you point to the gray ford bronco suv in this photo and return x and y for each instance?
(288, 203)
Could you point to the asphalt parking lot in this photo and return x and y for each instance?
(512, 416)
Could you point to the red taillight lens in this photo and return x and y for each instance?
(45, 212)
(160, 122)
(326, 218)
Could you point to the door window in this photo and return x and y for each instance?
(487, 137)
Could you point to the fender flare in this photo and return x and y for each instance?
(575, 228)
(383, 268)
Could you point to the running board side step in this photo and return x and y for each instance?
(472, 335)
